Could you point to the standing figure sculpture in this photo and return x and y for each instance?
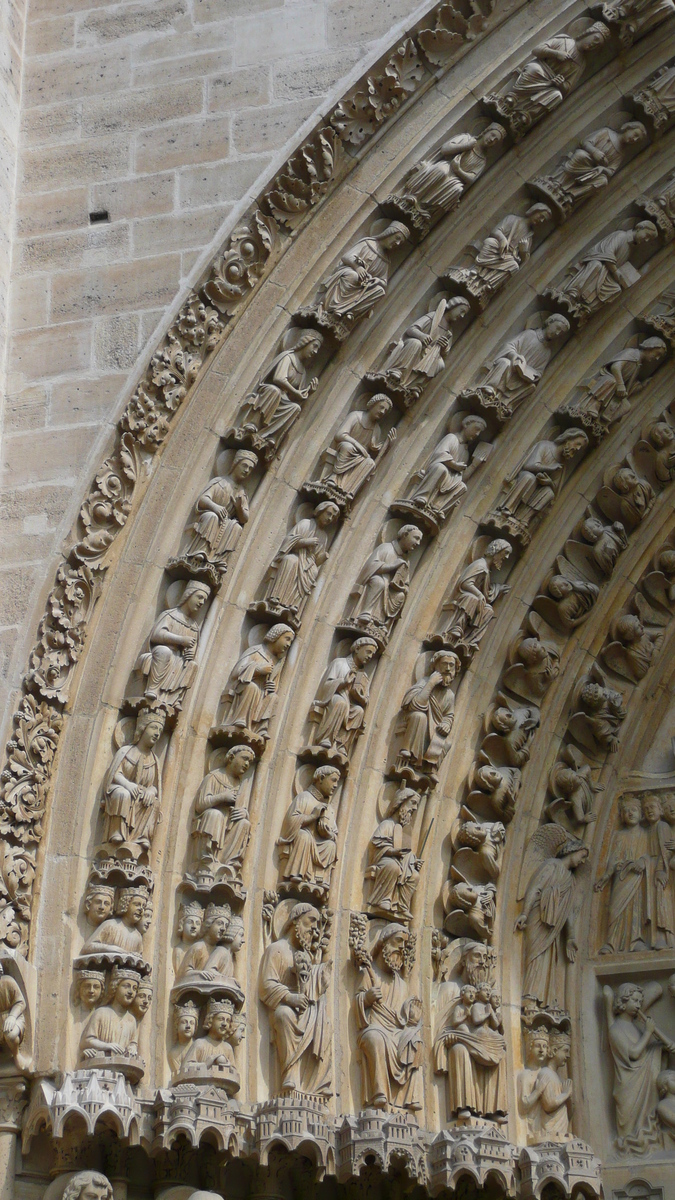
(626, 869)
(388, 1019)
(550, 911)
(470, 1049)
(295, 567)
(471, 603)
(294, 979)
(338, 713)
(358, 283)
(519, 365)
(221, 512)
(637, 1050)
(543, 82)
(419, 353)
(250, 695)
(436, 185)
(308, 839)
(168, 655)
(220, 827)
(393, 869)
(382, 585)
(427, 715)
(275, 404)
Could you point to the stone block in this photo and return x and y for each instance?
(85, 247)
(29, 302)
(203, 39)
(319, 73)
(350, 22)
(95, 159)
(179, 67)
(279, 33)
(51, 123)
(190, 230)
(64, 449)
(226, 181)
(50, 35)
(212, 10)
(46, 212)
(26, 410)
(84, 74)
(142, 108)
(43, 353)
(116, 342)
(141, 197)
(245, 88)
(86, 400)
(16, 587)
(182, 143)
(124, 21)
(115, 288)
(259, 130)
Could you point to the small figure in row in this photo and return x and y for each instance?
(419, 354)
(221, 512)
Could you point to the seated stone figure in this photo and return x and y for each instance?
(209, 959)
(112, 1030)
(132, 791)
(338, 711)
(168, 655)
(519, 365)
(120, 936)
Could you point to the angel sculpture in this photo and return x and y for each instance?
(441, 481)
(471, 603)
(358, 282)
(536, 663)
(221, 512)
(625, 496)
(517, 368)
(132, 788)
(535, 483)
(357, 448)
(603, 273)
(655, 452)
(605, 399)
(428, 713)
(598, 713)
(493, 788)
(250, 695)
(510, 728)
(632, 647)
(659, 584)
(548, 919)
(169, 652)
(588, 167)
(571, 783)
(436, 185)
(568, 599)
(295, 568)
(470, 908)
(481, 843)
(597, 554)
(543, 82)
(418, 355)
(501, 254)
(275, 404)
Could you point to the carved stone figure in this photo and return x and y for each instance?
(589, 167)
(358, 282)
(569, 597)
(659, 584)
(626, 496)
(606, 398)
(357, 448)
(381, 588)
(660, 898)
(294, 980)
(185, 1021)
(517, 368)
(529, 1084)
(471, 1050)
(501, 254)
(132, 790)
(536, 663)
(635, 18)
(275, 404)
(510, 728)
(603, 273)
(544, 1097)
(656, 451)
(471, 603)
(209, 959)
(599, 551)
(631, 651)
(497, 785)
(441, 484)
(221, 512)
(637, 1050)
(89, 987)
(427, 715)
(393, 868)
(12, 1016)
(112, 1030)
(419, 354)
(550, 911)
(543, 82)
(190, 917)
(213, 1052)
(99, 902)
(220, 827)
(389, 1025)
(436, 185)
(121, 933)
(627, 869)
(470, 907)
(600, 713)
(657, 99)
(168, 655)
(295, 568)
(339, 708)
(250, 695)
(485, 839)
(571, 783)
(88, 1185)
(536, 482)
(308, 839)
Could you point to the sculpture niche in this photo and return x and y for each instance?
(543, 82)
(501, 255)
(221, 827)
(441, 481)
(388, 1018)
(516, 370)
(544, 1092)
(426, 717)
(358, 283)
(471, 603)
(132, 790)
(249, 700)
(168, 656)
(294, 978)
(118, 940)
(295, 568)
(207, 967)
(393, 869)
(603, 273)
(605, 399)
(436, 185)
(381, 588)
(221, 512)
(308, 839)
(588, 168)
(338, 714)
(420, 353)
(535, 483)
(356, 450)
(272, 408)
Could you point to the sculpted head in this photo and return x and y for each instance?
(475, 963)
(653, 349)
(572, 441)
(668, 807)
(90, 987)
(504, 720)
(630, 813)
(594, 37)
(644, 232)
(326, 780)
(218, 1018)
(378, 406)
(560, 1045)
(391, 946)
(404, 805)
(88, 1185)
(447, 663)
(280, 638)
(456, 309)
(537, 1046)
(555, 326)
(666, 563)
(538, 214)
(651, 808)
(131, 904)
(308, 345)
(472, 430)
(99, 902)
(492, 136)
(149, 727)
(497, 552)
(628, 998)
(243, 463)
(185, 1020)
(629, 629)
(592, 696)
(326, 514)
(363, 649)
(194, 597)
(235, 933)
(142, 1000)
(123, 986)
(409, 538)
(394, 235)
(216, 921)
(190, 918)
(238, 760)
(632, 132)
(304, 920)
